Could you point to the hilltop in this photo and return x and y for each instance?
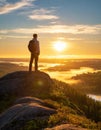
(22, 83)
(35, 101)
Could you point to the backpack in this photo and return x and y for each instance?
(32, 46)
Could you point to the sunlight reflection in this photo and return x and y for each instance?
(81, 70)
(67, 75)
(95, 97)
(40, 83)
(64, 76)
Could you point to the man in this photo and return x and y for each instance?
(35, 51)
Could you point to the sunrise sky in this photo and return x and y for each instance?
(77, 23)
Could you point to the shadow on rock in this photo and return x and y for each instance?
(26, 109)
(23, 83)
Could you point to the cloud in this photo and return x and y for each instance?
(7, 8)
(38, 14)
(4, 31)
(43, 17)
(74, 29)
(63, 29)
(42, 11)
(17, 36)
(43, 14)
(13, 36)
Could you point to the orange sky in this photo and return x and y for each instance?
(77, 23)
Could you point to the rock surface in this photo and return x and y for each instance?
(23, 82)
(26, 109)
(66, 127)
(29, 100)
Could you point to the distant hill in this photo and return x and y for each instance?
(90, 83)
(6, 67)
(34, 101)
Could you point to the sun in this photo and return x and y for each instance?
(60, 45)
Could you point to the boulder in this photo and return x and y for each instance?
(26, 109)
(29, 100)
(24, 83)
(66, 127)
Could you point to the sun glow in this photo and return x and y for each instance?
(60, 45)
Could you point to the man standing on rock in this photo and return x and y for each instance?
(34, 48)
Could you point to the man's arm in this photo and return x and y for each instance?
(38, 48)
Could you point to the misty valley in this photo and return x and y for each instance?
(82, 74)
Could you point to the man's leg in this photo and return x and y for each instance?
(31, 62)
(36, 62)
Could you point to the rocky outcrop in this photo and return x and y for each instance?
(24, 83)
(29, 100)
(28, 109)
(66, 127)
(25, 109)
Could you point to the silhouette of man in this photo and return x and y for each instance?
(34, 48)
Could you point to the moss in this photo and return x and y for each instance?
(6, 101)
(35, 124)
(64, 115)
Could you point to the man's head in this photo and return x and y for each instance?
(35, 36)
